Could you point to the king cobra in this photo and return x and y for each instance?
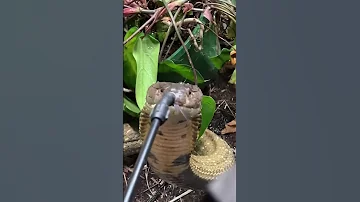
(177, 156)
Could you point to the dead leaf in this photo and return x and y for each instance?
(131, 11)
(130, 3)
(233, 57)
(187, 7)
(229, 128)
(166, 20)
(227, 66)
(207, 14)
(232, 123)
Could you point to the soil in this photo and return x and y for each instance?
(225, 96)
(149, 187)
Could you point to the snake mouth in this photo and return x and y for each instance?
(186, 95)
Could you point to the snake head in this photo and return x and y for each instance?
(186, 95)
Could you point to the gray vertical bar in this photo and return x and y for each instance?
(298, 101)
(61, 101)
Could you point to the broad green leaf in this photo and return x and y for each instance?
(130, 107)
(200, 59)
(221, 59)
(208, 107)
(146, 53)
(129, 60)
(211, 43)
(233, 78)
(184, 70)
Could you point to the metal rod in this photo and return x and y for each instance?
(141, 160)
(158, 116)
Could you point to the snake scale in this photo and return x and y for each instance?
(176, 155)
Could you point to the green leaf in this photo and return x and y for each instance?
(208, 107)
(180, 16)
(221, 59)
(161, 29)
(211, 43)
(231, 30)
(160, 36)
(133, 22)
(130, 107)
(183, 70)
(129, 60)
(200, 59)
(233, 78)
(146, 53)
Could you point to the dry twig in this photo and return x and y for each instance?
(168, 33)
(194, 40)
(127, 90)
(147, 181)
(181, 195)
(131, 170)
(172, 42)
(126, 184)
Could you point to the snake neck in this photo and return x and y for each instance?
(174, 142)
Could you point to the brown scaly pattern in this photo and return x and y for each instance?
(176, 156)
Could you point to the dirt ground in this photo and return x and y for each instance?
(150, 188)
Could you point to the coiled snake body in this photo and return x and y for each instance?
(176, 155)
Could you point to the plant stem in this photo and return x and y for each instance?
(223, 6)
(192, 20)
(182, 42)
(197, 9)
(228, 3)
(221, 9)
(228, 43)
(147, 11)
(172, 42)
(167, 34)
(186, 21)
(138, 30)
(194, 39)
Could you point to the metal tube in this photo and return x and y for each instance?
(141, 160)
(158, 117)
